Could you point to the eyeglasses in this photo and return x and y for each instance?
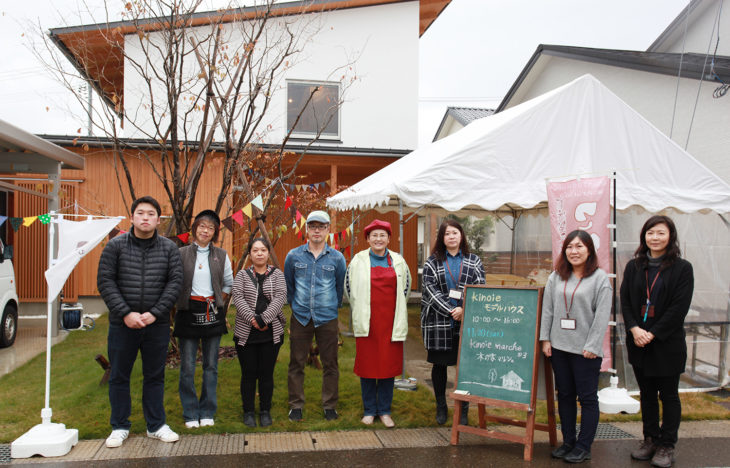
(206, 227)
(317, 227)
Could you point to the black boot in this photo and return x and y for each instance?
(249, 419)
(464, 421)
(442, 412)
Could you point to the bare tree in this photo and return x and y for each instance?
(207, 86)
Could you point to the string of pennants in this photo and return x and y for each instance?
(298, 219)
(291, 187)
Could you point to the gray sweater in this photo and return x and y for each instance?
(591, 311)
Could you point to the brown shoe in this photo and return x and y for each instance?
(645, 451)
(664, 457)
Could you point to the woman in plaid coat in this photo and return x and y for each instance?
(449, 268)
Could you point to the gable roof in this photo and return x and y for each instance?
(95, 50)
(694, 66)
(677, 27)
(462, 115)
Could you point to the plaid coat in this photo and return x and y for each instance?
(435, 306)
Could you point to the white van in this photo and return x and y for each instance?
(8, 298)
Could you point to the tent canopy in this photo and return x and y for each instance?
(502, 162)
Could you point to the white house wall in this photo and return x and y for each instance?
(375, 48)
(653, 96)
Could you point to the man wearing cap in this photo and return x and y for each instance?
(315, 274)
(139, 278)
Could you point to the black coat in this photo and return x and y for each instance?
(667, 353)
(135, 276)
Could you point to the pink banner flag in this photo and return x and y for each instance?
(583, 204)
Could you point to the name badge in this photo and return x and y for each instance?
(455, 294)
(567, 324)
(651, 311)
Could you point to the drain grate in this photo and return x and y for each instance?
(4, 453)
(607, 431)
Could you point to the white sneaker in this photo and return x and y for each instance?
(116, 438)
(192, 424)
(206, 422)
(164, 434)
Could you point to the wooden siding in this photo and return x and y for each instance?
(31, 243)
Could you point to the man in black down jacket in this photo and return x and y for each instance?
(140, 276)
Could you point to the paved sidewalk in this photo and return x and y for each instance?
(138, 447)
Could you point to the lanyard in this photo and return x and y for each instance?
(565, 297)
(649, 291)
(461, 267)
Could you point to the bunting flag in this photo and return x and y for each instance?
(258, 202)
(76, 239)
(247, 211)
(299, 234)
(302, 222)
(332, 238)
(44, 218)
(349, 230)
(2, 219)
(347, 250)
(27, 221)
(287, 204)
(113, 233)
(184, 237)
(238, 217)
(228, 223)
(298, 216)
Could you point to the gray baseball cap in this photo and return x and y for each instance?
(318, 217)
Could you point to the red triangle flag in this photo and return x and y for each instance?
(238, 217)
(288, 203)
(347, 250)
(185, 236)
(299, 216)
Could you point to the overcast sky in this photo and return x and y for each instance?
(470, 56)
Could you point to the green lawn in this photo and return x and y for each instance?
(79, 402)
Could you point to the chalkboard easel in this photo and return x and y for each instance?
(499, 353)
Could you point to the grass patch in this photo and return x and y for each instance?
(79, 402)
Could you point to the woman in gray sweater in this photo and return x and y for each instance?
(575, 312)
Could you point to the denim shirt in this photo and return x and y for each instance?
(314, 286)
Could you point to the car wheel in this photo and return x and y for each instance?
(8, 326)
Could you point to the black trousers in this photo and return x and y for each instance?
(257, 362)
(667, 387)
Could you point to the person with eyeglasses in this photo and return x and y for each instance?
(315, 275)
(201, 317)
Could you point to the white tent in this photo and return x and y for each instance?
(502, 161)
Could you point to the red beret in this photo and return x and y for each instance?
(378, 224)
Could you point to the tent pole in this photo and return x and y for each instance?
(400, 238)
(615, 279)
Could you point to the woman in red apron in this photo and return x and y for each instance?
(377, 285)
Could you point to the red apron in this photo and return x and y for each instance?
(377, 357)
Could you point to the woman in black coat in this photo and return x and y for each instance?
(656, 293)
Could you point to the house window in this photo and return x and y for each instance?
(321, 114)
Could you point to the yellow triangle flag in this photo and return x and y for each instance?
(29, 220)
(247, 210)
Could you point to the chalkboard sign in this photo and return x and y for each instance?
(498, 340)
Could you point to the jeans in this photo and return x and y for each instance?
(667, 387)
(301, 340)
(576, 376)
(257, 362)
(205, 408)
(123, 344)
(377, 396)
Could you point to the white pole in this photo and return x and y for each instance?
(46, 413)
